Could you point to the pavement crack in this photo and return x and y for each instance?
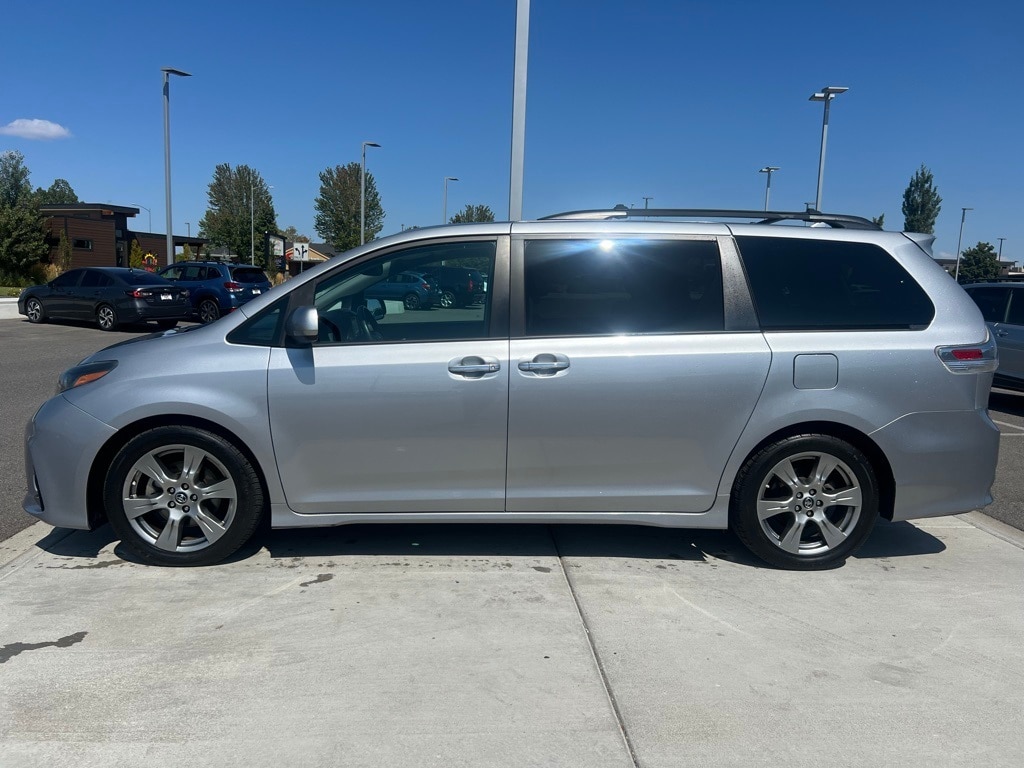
(11, 650)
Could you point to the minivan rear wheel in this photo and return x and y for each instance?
(182, 496)
(806, 502)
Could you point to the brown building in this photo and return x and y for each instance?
(100, 236)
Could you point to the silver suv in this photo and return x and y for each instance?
(792, 383)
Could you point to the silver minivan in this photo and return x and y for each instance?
(792, 383)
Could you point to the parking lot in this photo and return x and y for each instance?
(478, 645)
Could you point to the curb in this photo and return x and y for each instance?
(994, 527)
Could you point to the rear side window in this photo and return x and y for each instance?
(991, 302)
(93, 279)
(248, 275)
(820, 285)
(607, 287)
(142, 278)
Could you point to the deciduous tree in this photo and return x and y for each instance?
(337, 206)
(227, 220)
(921, 203)
(473, 213)
(979, 263)
(59, 193)
(291, 234)
(22, 230)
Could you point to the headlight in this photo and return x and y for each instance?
(83, 374)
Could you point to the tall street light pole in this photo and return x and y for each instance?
(963, 215)
(168, 71)
(826, 95)
(150, 215)
(1000, 256)
(515, 190)
(769, 169)
(362, 193)
(444, 213)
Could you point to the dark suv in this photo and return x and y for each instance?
(460, 286)
(217, 287)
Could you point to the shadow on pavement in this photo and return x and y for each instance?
(504, 540)
(1007, 401)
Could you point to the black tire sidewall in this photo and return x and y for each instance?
(215, 313)
(743, 507)
(249, 509)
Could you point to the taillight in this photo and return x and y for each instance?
(135, 294)
(232, 286)
(970, 358)
(471, 284)
(426, 287)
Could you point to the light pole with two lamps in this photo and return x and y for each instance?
(769, 169)
(362, 193)
(168, 71)
(826, 95)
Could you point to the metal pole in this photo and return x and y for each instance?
(1000, 256)
(252, 220)
(515, 193)
(769, 169)
(147, 210)
(168, 71)
(963, 215)
(444, 212)
(821, 156)
(362, 193)
(188, 229)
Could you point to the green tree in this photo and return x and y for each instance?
(227, 220)
(22, 227)
(291, 234)
(473, 213)
(136, 256)
(921, 203)
(59, 193)
(979, 263)
(337, 207)
(186, 253)
(879, 220)
(63, 262)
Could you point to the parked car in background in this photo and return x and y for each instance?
(416, 290)
(1002, 306)
(217, 288)
(459, 286)
(108, 296)
(793, 384)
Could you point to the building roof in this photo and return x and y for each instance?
(58, 207)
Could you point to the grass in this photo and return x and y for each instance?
(7, 292)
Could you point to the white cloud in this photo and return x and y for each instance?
(35, 129)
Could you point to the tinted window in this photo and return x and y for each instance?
(412, 302)
(248, 275)
(141, 278)
(991, 302)
(262, 330)
(829, 285)
(193, 272)
(1016, 314)
(172, 273)
(94, 279)
(588, 287)
(68, 279)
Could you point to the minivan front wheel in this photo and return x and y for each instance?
(806, 502)
(182, 496)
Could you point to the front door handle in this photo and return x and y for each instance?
(474, 367)
(1002, 333)
(545, 364)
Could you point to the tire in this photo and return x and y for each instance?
(447, 299)
(781, 510)
(106, 317)
(208, 311)
(182, 496)
(411, 301)
(34, 311)
(166, 325)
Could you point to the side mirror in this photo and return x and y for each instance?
(304, 324)
(377, 308)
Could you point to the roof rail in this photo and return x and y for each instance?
(834, 220)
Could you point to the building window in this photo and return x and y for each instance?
(85, 245)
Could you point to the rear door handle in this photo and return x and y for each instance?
(544, 364)
(1002, 333)
(474, 367)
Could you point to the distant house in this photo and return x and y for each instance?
(318, 252)
(100, 234)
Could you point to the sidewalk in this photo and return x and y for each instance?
(459, 645)
(9, 309)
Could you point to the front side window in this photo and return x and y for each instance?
(605, 287)
(395, 298)
(803, 284)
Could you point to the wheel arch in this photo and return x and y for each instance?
(856, 438)
(105, 456)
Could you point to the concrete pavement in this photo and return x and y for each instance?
(459, 645)
(9, 309)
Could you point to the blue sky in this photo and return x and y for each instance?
(679, 101)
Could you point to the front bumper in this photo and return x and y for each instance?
(943, 462)
(61, 443)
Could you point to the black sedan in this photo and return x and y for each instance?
(108, 296)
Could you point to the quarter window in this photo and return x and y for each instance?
(85, 245)
(819, 285)
(604, 287)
